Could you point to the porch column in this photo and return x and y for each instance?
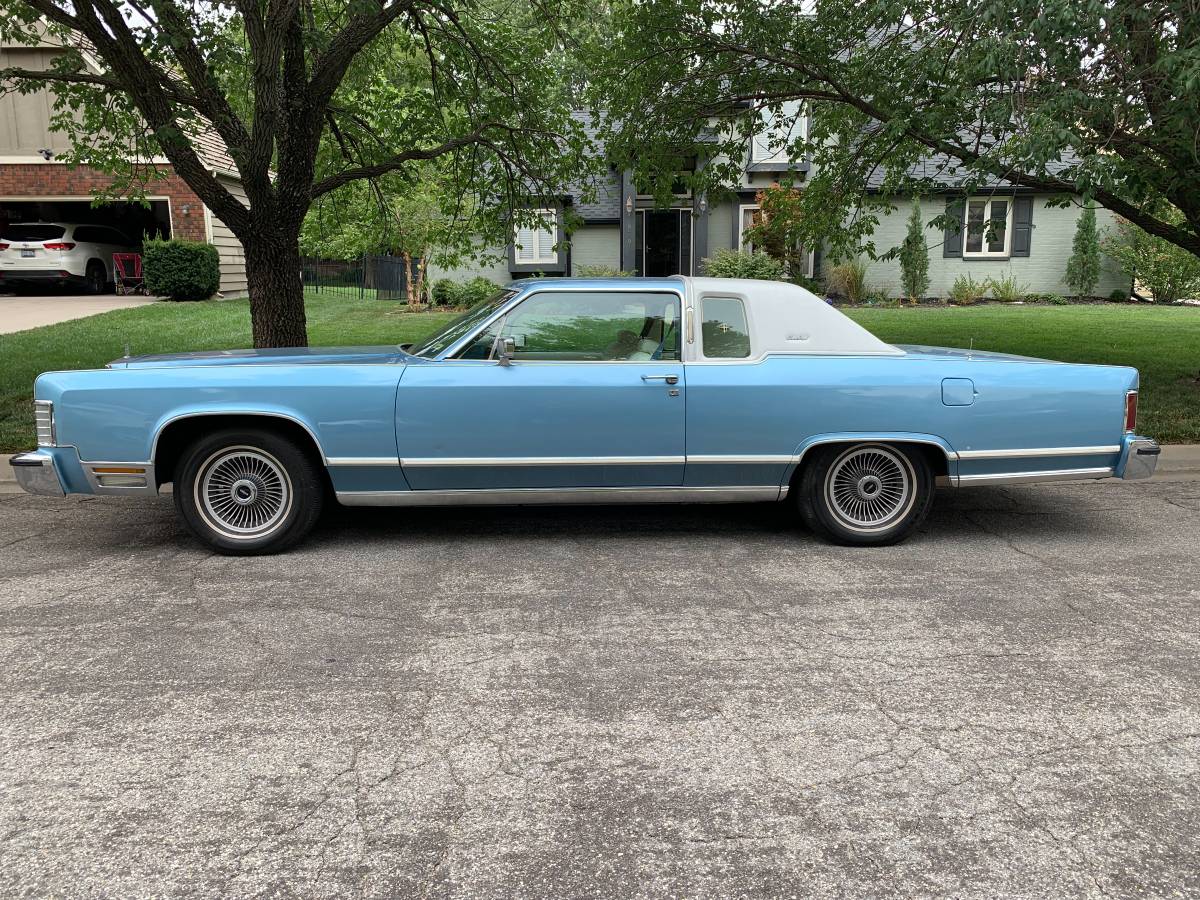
(628, 225)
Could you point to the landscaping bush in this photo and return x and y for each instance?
(848, 280)
(1006, 289)
(1083, 268)
(1051, 298)
(1168, 272)
(966, 290)
(181, 270)
(733, 264)
(1119, 296)
(600, 272)
(809, 284)
(444, 292)
(448, 292)
(914, 257)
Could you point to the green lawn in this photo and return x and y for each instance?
(1164, 343)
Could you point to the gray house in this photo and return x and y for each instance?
(625, 230)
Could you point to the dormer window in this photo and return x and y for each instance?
(777, 131)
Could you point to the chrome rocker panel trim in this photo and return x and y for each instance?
(36, 474)
(433, 461)
(547, 496)
(1038, 451)
(1034, 477)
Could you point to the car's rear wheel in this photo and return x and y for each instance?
(868, 493)
(95, 278)
(247, 492)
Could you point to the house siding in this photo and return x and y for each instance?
(482, 265)
(1040, 272)
(229, 248)
(596, 245)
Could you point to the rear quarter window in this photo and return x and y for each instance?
(724, 333)
(34, 232)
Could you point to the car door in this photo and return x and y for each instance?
(591, 397)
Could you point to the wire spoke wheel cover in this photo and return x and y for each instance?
(243, 493)
(870, 488)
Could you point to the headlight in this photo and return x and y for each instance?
(43, 418)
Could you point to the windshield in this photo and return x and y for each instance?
(34, 232)
(441, 341)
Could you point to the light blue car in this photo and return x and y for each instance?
(637, 390)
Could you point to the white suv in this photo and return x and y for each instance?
(60, 253)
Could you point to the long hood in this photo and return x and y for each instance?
(284, 356)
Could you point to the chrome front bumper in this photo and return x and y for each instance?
(36, 474)
(1141, 459)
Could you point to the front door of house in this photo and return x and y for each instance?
(663, 242)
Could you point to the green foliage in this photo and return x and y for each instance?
(1118, 296)
(914, 256)
(736, 264)
(1163, 269)
(966, 290)
(1093, 99)
(1051, 298)
(600, 271)
(778, 228)
(181, 270)
(813, 285)
(848, 280)
(1006, 289)
(447, 292)
(1083, 268)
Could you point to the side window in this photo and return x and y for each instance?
(595, 326)
(87, 234)
(723, 330)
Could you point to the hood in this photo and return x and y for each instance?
(282, 356)
(959, 353)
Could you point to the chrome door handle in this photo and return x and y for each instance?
(669, 379)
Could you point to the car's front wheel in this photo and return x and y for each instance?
(248, 492)
(865, 493)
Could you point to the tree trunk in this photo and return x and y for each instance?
(276, 292)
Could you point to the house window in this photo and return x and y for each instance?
(535, 244)
(776, 133)
(989, 227)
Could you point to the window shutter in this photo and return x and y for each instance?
(1022, 238)
(953, 237)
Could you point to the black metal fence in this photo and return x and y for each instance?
(368, 277)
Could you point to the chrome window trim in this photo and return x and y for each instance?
(538, 496)
(1039, 451)
(467, 461)
(566, 287)
(1033, 477)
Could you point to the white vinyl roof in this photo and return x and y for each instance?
(786, 318)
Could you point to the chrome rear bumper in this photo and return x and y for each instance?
(1141, 459)
(36, 474)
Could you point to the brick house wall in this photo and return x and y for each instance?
(31, 180)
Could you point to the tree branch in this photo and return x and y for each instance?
(333, 182)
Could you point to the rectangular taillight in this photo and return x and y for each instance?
(59, 245)
(3, 246)
(1131, 411)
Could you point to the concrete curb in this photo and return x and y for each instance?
(1179, 462)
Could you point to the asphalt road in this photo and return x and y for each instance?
(692, 701)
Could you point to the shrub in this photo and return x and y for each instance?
(600, 272)
(1006, 289)
(1083, 268)
(1168, 272)
(1119, 296)
(181, 270)
(733, 264)
(444, 292)
(848, 280)
(914, 257)
(1051, 298)
(809, 284)
(966, 290)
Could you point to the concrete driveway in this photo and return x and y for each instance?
(34, 311)
(693, 701)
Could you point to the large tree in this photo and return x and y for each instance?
(1099, 98)
(308, 98)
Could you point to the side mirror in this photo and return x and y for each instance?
(503, 349)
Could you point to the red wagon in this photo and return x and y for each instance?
(128, 268)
